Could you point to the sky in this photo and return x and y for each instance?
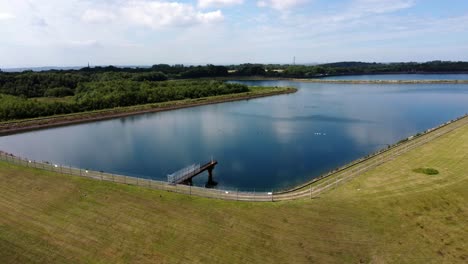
(146, 32)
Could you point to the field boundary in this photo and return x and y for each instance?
(310, 189)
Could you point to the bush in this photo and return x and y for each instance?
(427, 171)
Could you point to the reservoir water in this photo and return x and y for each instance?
(448, 76)
(266, 143)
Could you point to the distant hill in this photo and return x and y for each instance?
(39, 69)
(59, 68)
(347, 64)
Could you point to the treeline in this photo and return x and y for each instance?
(58, 83)
(344, 68)
(184, 72)
(100, 95)
(177, 71)
(64, 82)
(114, 93)
(348, 68)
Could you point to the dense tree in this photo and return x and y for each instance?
(205, 71)
(99, 95)
(59, 92)
(109, 94)
(250, 70)
(13, 107)
(149, 76)
(34, 84)
(168, 69)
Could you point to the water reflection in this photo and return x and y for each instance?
(322, 118)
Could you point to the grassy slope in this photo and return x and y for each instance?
(388, 215)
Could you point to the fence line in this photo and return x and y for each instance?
(310, 190)
(226, 194)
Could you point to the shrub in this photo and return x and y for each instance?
(427, 171)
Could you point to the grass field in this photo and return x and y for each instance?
(390, 214)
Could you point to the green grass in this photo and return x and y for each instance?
(388, 215)
(427, 171)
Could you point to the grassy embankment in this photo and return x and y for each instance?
(390, 214)
(59, 120)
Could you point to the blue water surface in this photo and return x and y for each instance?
(417, 76)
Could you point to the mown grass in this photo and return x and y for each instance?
(388, 215)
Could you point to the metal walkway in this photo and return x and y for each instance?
(185, 175)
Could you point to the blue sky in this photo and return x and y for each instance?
(146, 32)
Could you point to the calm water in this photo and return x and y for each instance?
(263, 143)
(401, 77)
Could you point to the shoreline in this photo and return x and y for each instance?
(20, 126)
(316, 80)
(353, 168)
(382, 81)
(308, 190)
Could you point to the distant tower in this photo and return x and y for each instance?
(88, 64)
(294, 60)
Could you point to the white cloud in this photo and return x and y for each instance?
(6, 16)
(74, 32)
(39, 22)
(362, 8)
(281, 5)
(82, 43)
(382, 6)
(159, 14)
(218, 3)
(153, 14)
(97, 16)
